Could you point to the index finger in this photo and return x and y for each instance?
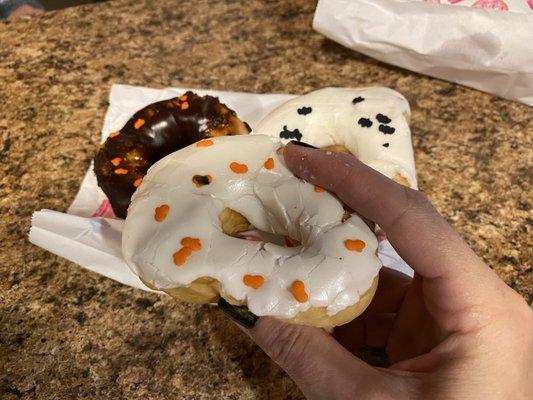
(413, 226)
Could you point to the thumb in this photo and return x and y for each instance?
(319, 365)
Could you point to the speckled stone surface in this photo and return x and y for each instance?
(66, 333)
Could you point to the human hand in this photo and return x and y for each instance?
(455, 331)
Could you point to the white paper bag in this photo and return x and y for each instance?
(489, 50)
(89, 234)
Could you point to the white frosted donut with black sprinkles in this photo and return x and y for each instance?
(176, 237)
(371, 123)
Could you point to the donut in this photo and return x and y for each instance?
(309, 261)
(153, 132)
(370, 123)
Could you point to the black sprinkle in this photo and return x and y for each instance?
(387, 130)
(365, 122)
(287, 134)
(239, 314)
(305, 110)
(383, 119)
(358, 100)
(385, 145)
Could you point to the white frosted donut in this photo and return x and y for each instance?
(372, 123)
(173, 238)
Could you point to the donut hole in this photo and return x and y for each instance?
(237, 225)
(233, 222)
(233, 125)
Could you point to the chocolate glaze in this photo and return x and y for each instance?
(168, 126)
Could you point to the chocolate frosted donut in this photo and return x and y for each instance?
(154, 132)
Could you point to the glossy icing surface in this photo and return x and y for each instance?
(173, 235)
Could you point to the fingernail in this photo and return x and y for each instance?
(239, 314)
(303, 144)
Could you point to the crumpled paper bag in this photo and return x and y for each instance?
(89, 235)
(486, 49)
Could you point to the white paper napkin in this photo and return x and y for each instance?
(90, 236)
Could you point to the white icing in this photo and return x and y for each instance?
(274, 201)
(333, 120)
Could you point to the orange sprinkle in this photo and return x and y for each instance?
(204, 143)
(319, 189)
(269, 163)
(137, 182)
(184, 105)
(180, 256)
(183, 98)
(354, 245)
(238, 168)
(189, 245)
(121, 171)
(114, 134)
(298, 291)
(254, 281)
(140, 122)
(192, 243)
(116, 161)
(161, 212)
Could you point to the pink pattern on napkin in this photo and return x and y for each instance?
(104, 210)
(492, 4)
(519, 6)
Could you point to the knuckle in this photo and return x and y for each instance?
(417, 199)
(418, 203)
(413, 202)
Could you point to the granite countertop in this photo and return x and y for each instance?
(65, 332)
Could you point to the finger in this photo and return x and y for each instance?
(414, 329)
(392, 286)
(389, 296)
(352, 336)
(415, 229)
(313, 359)
(367, 330)
(378, 328)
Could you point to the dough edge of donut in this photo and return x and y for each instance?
(207, 290)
